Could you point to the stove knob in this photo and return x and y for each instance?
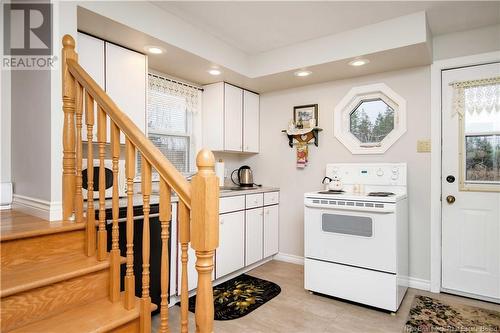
(380, 172)
(394, 176)
(395, 171)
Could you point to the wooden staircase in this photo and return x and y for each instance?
(59, 276)
(50, 285)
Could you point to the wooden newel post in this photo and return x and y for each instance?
(69, 153)
(205, 235)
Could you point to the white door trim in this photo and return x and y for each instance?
(436, 69)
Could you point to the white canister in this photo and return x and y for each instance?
(219, 171)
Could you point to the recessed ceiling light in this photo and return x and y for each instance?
(214, 71)
(358, 62)
(154, 50)
(302, 73)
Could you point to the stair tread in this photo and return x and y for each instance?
(56, 268)
(99, 316)
(17, 225)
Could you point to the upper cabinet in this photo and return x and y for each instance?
(250, 122)
(233, 118)
(230, 118)
(122, 73)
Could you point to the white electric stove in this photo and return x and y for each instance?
(356, 240)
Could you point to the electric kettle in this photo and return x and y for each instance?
(245, 176)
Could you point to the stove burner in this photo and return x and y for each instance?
(380, 194)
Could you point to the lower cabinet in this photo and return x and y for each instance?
(230, 255)
(253, 235)
(271, 230)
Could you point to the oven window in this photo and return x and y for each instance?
(348, 225)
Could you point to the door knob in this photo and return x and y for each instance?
(450, 199)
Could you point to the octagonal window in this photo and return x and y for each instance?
(371, 121)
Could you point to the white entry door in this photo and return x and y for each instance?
(471, 181)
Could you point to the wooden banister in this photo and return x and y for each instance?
(198, 207)
(172, 176)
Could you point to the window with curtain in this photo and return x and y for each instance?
(478, 104)
(171, 113)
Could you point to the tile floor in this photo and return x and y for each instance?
(295, 310)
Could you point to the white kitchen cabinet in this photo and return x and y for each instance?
(271, 230)
(120, 72)
(230, 118)
(250, 122)
(126, 76)
(233, 118)
(253, 235)
(230, 255)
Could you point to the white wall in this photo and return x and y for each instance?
(31, 146)
(275, 165)
(465, 43)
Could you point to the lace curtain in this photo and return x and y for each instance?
(476, 96)
(170, 87)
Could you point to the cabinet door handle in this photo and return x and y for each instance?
(221, 221)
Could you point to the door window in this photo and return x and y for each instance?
(478, 105)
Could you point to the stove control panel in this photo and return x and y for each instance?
(369, 173)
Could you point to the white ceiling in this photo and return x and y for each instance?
(256, 27)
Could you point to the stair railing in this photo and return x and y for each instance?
(198, 202)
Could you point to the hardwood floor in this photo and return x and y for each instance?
(295, 310)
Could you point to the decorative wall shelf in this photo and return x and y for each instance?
(303, 135)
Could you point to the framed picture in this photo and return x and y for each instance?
(306, 112)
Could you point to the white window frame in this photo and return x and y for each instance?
(194, 133)
(352, 100)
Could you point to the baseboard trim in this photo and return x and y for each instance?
(417, 283)
(51, 211)
(5, 195)
(290, 258)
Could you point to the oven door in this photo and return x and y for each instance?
(357, 238)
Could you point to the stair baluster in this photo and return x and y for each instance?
(146, 299)
(184, 227)
(90, 227)
(79, 148)
(165, 217)
(129, 274)
(114, 277)
(101, 141)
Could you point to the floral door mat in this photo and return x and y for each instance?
(240, 296)
(430, 315)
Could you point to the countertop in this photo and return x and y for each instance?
(155, 197)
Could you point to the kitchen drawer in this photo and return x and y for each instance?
(255, 200)
(271, 198)
(231, 204)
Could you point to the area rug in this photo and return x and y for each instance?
(430, 315)
(240, 296)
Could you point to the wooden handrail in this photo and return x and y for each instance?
(166, 170)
